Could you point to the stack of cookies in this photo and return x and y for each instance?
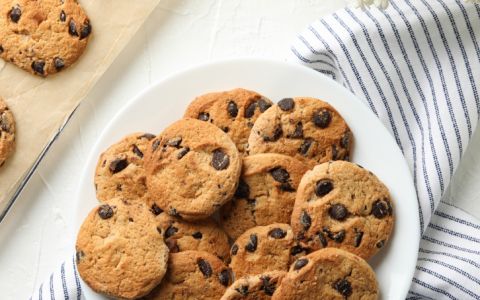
(240, 199)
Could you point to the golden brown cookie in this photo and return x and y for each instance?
(308, 129)
(43, 36)
(204, 235)
(265, 195)
(233, 111)
(328, 274)
(120, 169)
(7, 132)
(261, 249)
(256, 287)
(193, 275)
(192, 169)
(120, 252)
(340, 204)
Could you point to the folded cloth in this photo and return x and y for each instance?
(416, 65)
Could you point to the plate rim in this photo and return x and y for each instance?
(212, 64)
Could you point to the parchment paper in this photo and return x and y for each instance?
(42, 105)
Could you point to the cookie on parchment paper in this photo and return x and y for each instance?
(7, 132)
(43, 37)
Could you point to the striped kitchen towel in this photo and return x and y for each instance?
(416, 65)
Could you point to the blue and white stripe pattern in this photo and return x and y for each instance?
(416, 65)
(63, 284)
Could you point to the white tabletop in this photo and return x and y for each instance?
(37, 235)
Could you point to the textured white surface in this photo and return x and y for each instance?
(37, 235)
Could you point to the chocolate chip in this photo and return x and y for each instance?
(197, 235)
(130, 219)
(204, 267)
(343, 287)
(118, 165)
(172, 245)
(220, 160)
(155, 209)
(380, 244)
(296, 250)
(338, 212)
(234, 249)
(137, 151)
(155, 145)
(380, 209)
(173, 212)
(322, 118)
(86, 30)
(80, 255)
(63, 16)
(175, 142)
(58, 63)
(105, 211)
(183, 152)
(243, 290)
(243, 190)
(148, 136)
(286, 104)
(38, 67)
(224, 277)
(345, 141)
(323, 187)
(302, 262)
(263, 105)
(298, 132)
(357, 240)
(277, 233)
(225, 129)
(159, 230)
(15, 14)
(280, 174)
(250, 110)
(1, 49)
(232, 109)
(339, 236)
(323, 239)
(286, 187)
(203, 116)
(252, 244)
(305, 220)
(72, 28)
(276, 135)
(171, 230)
(307, 143)
(268, 287)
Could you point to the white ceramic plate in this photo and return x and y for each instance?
(375, 149)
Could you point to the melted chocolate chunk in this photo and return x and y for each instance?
(252, 244)
(220, 160)
(105, 211)
(232, 109)
(302, 262)
(204, 267)
(286, 104)
(323, 187)
(117, 165)
(277, 233)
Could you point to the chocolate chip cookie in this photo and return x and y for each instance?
(43, 36)
(256, 287)
(261, 249)
(120, 252)
(192, 169)
(308, 129)
(265, 195)
(120, 169)
(203, 235)
(193, 275)
(233, 111)
(340, 204)
(328, 274)
(7, 132)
